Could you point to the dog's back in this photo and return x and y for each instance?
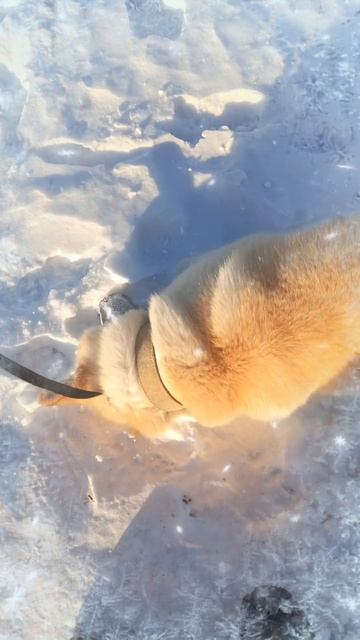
(259, 326)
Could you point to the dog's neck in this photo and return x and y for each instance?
(118, 378)
(117, 363)
(148, 372)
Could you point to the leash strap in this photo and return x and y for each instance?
(38, 380)
(146, 366)
(148, 372)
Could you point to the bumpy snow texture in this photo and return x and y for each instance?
(132, 135)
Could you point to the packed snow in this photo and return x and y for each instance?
(134, 134)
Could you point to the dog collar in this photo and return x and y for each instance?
(148, 372)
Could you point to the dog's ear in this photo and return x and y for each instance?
(225, 310)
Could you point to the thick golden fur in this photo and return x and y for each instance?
(252, 329)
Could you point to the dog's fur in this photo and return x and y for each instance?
(253, 329)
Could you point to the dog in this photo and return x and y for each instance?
(251, 329)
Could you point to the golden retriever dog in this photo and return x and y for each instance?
(251, 329)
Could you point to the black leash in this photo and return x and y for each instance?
(38, 380)
(120, 304)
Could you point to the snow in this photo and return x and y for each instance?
(134, 134)
(330, 236)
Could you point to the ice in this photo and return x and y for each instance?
(153, 18)
(134, 135)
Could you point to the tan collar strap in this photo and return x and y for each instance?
(148, 372)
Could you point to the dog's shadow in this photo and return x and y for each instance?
(291, 162)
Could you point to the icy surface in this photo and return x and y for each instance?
(134, 134)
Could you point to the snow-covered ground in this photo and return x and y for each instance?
(134, 133)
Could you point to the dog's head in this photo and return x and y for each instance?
(106, 362)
